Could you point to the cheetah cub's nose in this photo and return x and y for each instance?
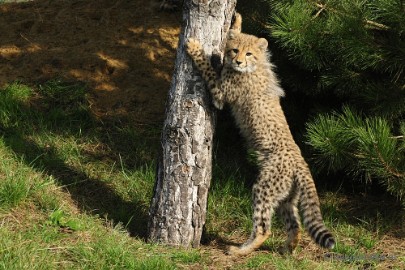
(238, 62)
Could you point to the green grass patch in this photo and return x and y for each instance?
(75, 193)
(229, 204)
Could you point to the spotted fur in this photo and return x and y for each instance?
(248, 84)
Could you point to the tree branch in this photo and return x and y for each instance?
(369, 23)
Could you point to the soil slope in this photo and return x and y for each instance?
(122, 50)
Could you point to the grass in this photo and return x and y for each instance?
(75, 191)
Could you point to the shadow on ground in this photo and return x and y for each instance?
(122, 52)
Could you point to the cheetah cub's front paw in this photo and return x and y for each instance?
(193, 47)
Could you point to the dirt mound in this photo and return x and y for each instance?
(123, 50)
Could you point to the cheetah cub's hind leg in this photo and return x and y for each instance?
(268, 192)
(288, 211)
(262, 214)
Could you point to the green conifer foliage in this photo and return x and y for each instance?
(356, 51)
(360, 146)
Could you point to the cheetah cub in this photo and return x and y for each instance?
(248, 84)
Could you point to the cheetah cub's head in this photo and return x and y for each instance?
(245, 52)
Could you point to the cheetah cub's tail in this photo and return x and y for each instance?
(311, 212)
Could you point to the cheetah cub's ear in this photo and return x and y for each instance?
(237, 23)
(262, 44)
(232, 34)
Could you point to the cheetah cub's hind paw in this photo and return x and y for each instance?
(238, 251)
(233, 250)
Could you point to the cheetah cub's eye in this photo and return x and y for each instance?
(235, 50)
(248, 54)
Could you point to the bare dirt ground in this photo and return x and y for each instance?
(122, 50)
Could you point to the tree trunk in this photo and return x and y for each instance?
(178, 208)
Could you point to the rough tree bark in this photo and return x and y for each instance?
(178, 208)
